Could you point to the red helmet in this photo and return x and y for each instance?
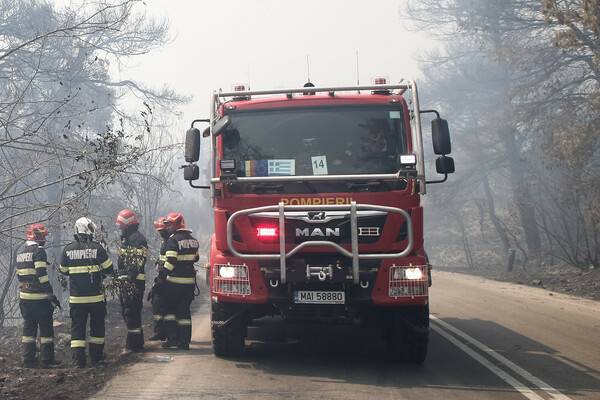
(37, 232)
(160, 224)
(127, 218)
(176, 219)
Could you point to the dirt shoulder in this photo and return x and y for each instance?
(560, 279)
(66, 381)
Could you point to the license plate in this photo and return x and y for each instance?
(319, 297)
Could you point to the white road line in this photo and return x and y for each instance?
(509, 364)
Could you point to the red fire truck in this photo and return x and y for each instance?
(316, 194)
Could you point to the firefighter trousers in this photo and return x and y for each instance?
(79, 315)
(131, 308)
(37, 313)
(158, 313)
(178, 317)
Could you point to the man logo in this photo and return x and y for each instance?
(318, 232)
(316, 215)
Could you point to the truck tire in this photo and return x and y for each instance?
(406, 334)
(228, 329)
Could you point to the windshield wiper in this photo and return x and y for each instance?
(263, 188)
(366, 186)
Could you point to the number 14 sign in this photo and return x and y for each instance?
(319, 165)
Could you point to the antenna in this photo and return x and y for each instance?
(357, 75)
(248, 72)
(307, 68)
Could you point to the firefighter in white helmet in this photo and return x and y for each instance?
(132, 277)
(36, 298)
(86, 263)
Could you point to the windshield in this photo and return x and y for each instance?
(331, 140)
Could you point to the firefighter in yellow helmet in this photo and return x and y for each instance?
(132, 277)
(36, 298)
(179, 277)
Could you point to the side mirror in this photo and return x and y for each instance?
(440, 136)
(444, 165)
(220, 125)
(191, 172)
(192, 145)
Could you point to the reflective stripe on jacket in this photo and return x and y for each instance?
(181, 252)
(32, 272)
(86, 264)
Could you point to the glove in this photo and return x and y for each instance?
(53, 300)
(158, 285)
(150, 294)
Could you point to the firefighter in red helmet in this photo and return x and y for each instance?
(179, 277)
(132, 278)
(36, 298)
(156, 294)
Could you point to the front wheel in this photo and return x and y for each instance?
(406, 334)
(228, 329)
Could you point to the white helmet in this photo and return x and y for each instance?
(84, 226)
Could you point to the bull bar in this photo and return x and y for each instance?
(354, 254)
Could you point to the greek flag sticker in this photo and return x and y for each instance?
(282, 167)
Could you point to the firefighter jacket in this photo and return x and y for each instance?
(32, 272)
(132, 255)
(85, 262)
(181, 253)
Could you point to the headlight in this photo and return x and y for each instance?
(233, 271)
(227, 272)
(413, 273)
(410, 273)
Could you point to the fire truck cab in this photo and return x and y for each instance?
(316, 194)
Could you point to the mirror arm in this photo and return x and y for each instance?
(199, 120)
(430, 111)
(438, 181)
(198, 187)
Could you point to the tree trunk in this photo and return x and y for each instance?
(465, 239)
(522, 197)
(492, 210)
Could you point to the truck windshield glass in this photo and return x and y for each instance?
(335, 140)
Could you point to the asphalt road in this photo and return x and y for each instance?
(489, 340)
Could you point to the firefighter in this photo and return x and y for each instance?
(132, 278)
(156, 295)
(86, 263)
(36, 298)
(374, 141)
(179, 279)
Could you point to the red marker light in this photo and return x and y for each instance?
(380, 81)
(266, 232)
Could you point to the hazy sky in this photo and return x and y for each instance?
(265, 43)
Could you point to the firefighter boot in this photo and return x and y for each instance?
(79, 357)
(170, 342)
(47, 355)
(183, 346)
(159, 330)
(29, 350)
